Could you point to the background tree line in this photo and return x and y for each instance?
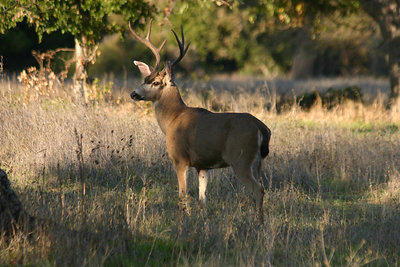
(266, 37)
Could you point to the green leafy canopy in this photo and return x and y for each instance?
(87, 20)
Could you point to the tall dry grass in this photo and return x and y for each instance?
(102, 174)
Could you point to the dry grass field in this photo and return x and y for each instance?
(101, 173)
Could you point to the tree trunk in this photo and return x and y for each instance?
(80, 76)
(84, 55)
(10, 206)
(394, 71)
(12, 215)
(387, 14)
(303, 60)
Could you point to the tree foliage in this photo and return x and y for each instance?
(225, 34)
(239, 26)
(387, 14)
(238, 33)
(232, 42)
(88, 19)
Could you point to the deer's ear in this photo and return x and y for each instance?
(169, 74)
(144, 69)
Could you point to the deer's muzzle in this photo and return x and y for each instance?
(136, 97)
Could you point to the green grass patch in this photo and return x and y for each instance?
(149, 252)
(370, 127)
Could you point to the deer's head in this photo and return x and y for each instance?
(156, 81)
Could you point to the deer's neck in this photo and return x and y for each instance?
(168, 107)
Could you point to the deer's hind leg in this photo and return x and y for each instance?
(256, 175)
(245, 161)
(245, 175)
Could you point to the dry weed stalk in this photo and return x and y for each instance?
(42, 82)
(37, 83)
(79, 157)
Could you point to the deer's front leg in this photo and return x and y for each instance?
(203, 178)
(181, 171)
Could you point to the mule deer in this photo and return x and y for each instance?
(196, 137)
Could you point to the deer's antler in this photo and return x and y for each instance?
(146, 41)
(182, 49)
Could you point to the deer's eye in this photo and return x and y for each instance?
(156, 83)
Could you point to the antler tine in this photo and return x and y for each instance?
(182, 49)
(146, 41)
(149, 30)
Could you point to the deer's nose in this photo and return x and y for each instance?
(135, 96)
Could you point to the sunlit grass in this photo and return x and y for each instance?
(332, 186)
